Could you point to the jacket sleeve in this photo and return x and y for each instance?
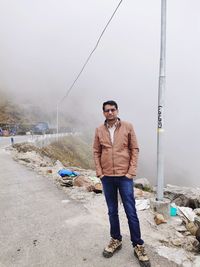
(97, 154)
(134, 151)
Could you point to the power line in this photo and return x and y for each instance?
(90, 55)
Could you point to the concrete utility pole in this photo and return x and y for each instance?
(57, 120)
(161, 102)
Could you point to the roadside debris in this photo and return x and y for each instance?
(142, 204)
(72, 178)
(159, 218)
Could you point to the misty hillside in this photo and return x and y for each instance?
(11, 112)
(29, 113)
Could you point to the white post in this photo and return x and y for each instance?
(57, 122)
(161, 102)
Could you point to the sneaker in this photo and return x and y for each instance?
(112, 247)
(141, 255)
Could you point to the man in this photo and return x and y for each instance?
(115, 154)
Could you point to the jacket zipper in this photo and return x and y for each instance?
(112, 147)
(113, 152)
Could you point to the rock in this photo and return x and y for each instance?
(197, 211)
(179, 234)
(159, 218)
(49, 171)
(66, 182)
(164, 241)
(26, 160)
(190, 244)
(142, 183)
(70, 178)
(43, 165)
(82, 181)
(58, 165)
(183, 196)
(196, 262)
(191, 227)
(138, 193)
(98, 188)
(181, 229)
(176, 242)
(197, 234)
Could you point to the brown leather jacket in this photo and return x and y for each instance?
(119, 158)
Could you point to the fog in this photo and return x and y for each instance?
(43, 45)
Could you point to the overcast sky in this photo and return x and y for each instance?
(43, 45)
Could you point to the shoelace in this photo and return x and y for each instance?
(142, 251)
(113, 243)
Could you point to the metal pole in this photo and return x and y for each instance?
(161, 102)
(57, 122)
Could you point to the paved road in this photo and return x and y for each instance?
(39, 229)
(41, 226)
(6, 141)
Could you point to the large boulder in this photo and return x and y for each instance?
(183, 196)
(82, 181)
(142, 183)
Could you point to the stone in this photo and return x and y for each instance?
(82, 181)
(98, 188)
(142, 183)
(181, 229)
(138, 193)
(43, 165)
(178, 234)
(66, 182)
(191, 227)
(159, 218)
(161, 207)
(197, 211)
(176, 242)
(183, 196)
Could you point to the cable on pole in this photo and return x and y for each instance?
(90, 55)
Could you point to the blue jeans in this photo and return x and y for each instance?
(111, 185)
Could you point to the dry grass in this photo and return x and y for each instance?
(71, 151)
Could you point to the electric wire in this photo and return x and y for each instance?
(90, 55)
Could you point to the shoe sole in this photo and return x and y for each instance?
(142, 263)
(107, 254)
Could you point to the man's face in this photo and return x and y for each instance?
(110, 112)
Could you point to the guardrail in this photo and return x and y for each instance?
(46, 139)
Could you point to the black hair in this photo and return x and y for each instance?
(111, 103)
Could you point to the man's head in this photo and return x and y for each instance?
(110, 110)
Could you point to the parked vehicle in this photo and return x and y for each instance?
(41, 128)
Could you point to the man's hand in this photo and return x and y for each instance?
(129, 176)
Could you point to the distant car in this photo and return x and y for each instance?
(13, 131)
(41, 128)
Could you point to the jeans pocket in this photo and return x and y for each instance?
(128, 178)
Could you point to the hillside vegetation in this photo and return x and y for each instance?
(10, 112)
(71, 151)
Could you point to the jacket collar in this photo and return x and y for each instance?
(117, 123)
